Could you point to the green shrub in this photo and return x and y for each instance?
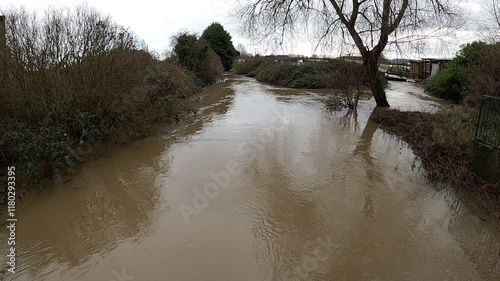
(197, 56)
(279, 74)
(451, 83)
(220, 41)
(266, 64)
(309, 75)
(247, 65)
(40, 150)
(308, 80)
(448, 84)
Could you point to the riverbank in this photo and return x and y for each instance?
(334, 74)
(48, 135)
(442, 141)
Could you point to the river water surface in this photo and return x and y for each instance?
(262, 184)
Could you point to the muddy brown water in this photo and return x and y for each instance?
(263, 184)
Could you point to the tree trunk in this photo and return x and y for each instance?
(374, 79)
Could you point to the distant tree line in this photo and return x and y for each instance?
(206, 56)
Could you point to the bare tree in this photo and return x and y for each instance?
(490, 28)
(494, 7)
(242, 49)
(75, 55)
(348, 79)
(370, 25)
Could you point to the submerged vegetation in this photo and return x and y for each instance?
(74, 78)
(442, 141)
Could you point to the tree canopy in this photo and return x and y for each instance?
(473, 72)
(198, 57)
(221, 42)
(489, 28)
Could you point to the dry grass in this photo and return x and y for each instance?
(441, 141)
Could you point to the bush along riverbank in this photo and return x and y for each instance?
(75, 78)
(310, 75)
(442, 141)
(473, 72)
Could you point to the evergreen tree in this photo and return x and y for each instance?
(197, 56)
(221, 42)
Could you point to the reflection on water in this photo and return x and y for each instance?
(317, 196)
(409, 96)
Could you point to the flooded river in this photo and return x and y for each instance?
(262, 184)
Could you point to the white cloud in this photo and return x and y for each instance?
(156, 21)
(152, 20)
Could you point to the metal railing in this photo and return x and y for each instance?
(488, 125)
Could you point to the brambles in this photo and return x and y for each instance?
(484, 76)
(77, 78)
(441, 141)
(196, 55)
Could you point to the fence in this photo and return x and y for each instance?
(488, 125)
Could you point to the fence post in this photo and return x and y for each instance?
(3, 50)
(478, 124)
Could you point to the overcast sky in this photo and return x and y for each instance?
(156, 21)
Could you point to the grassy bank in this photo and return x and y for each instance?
(442, 142)
(311, 75)
(74, 79)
